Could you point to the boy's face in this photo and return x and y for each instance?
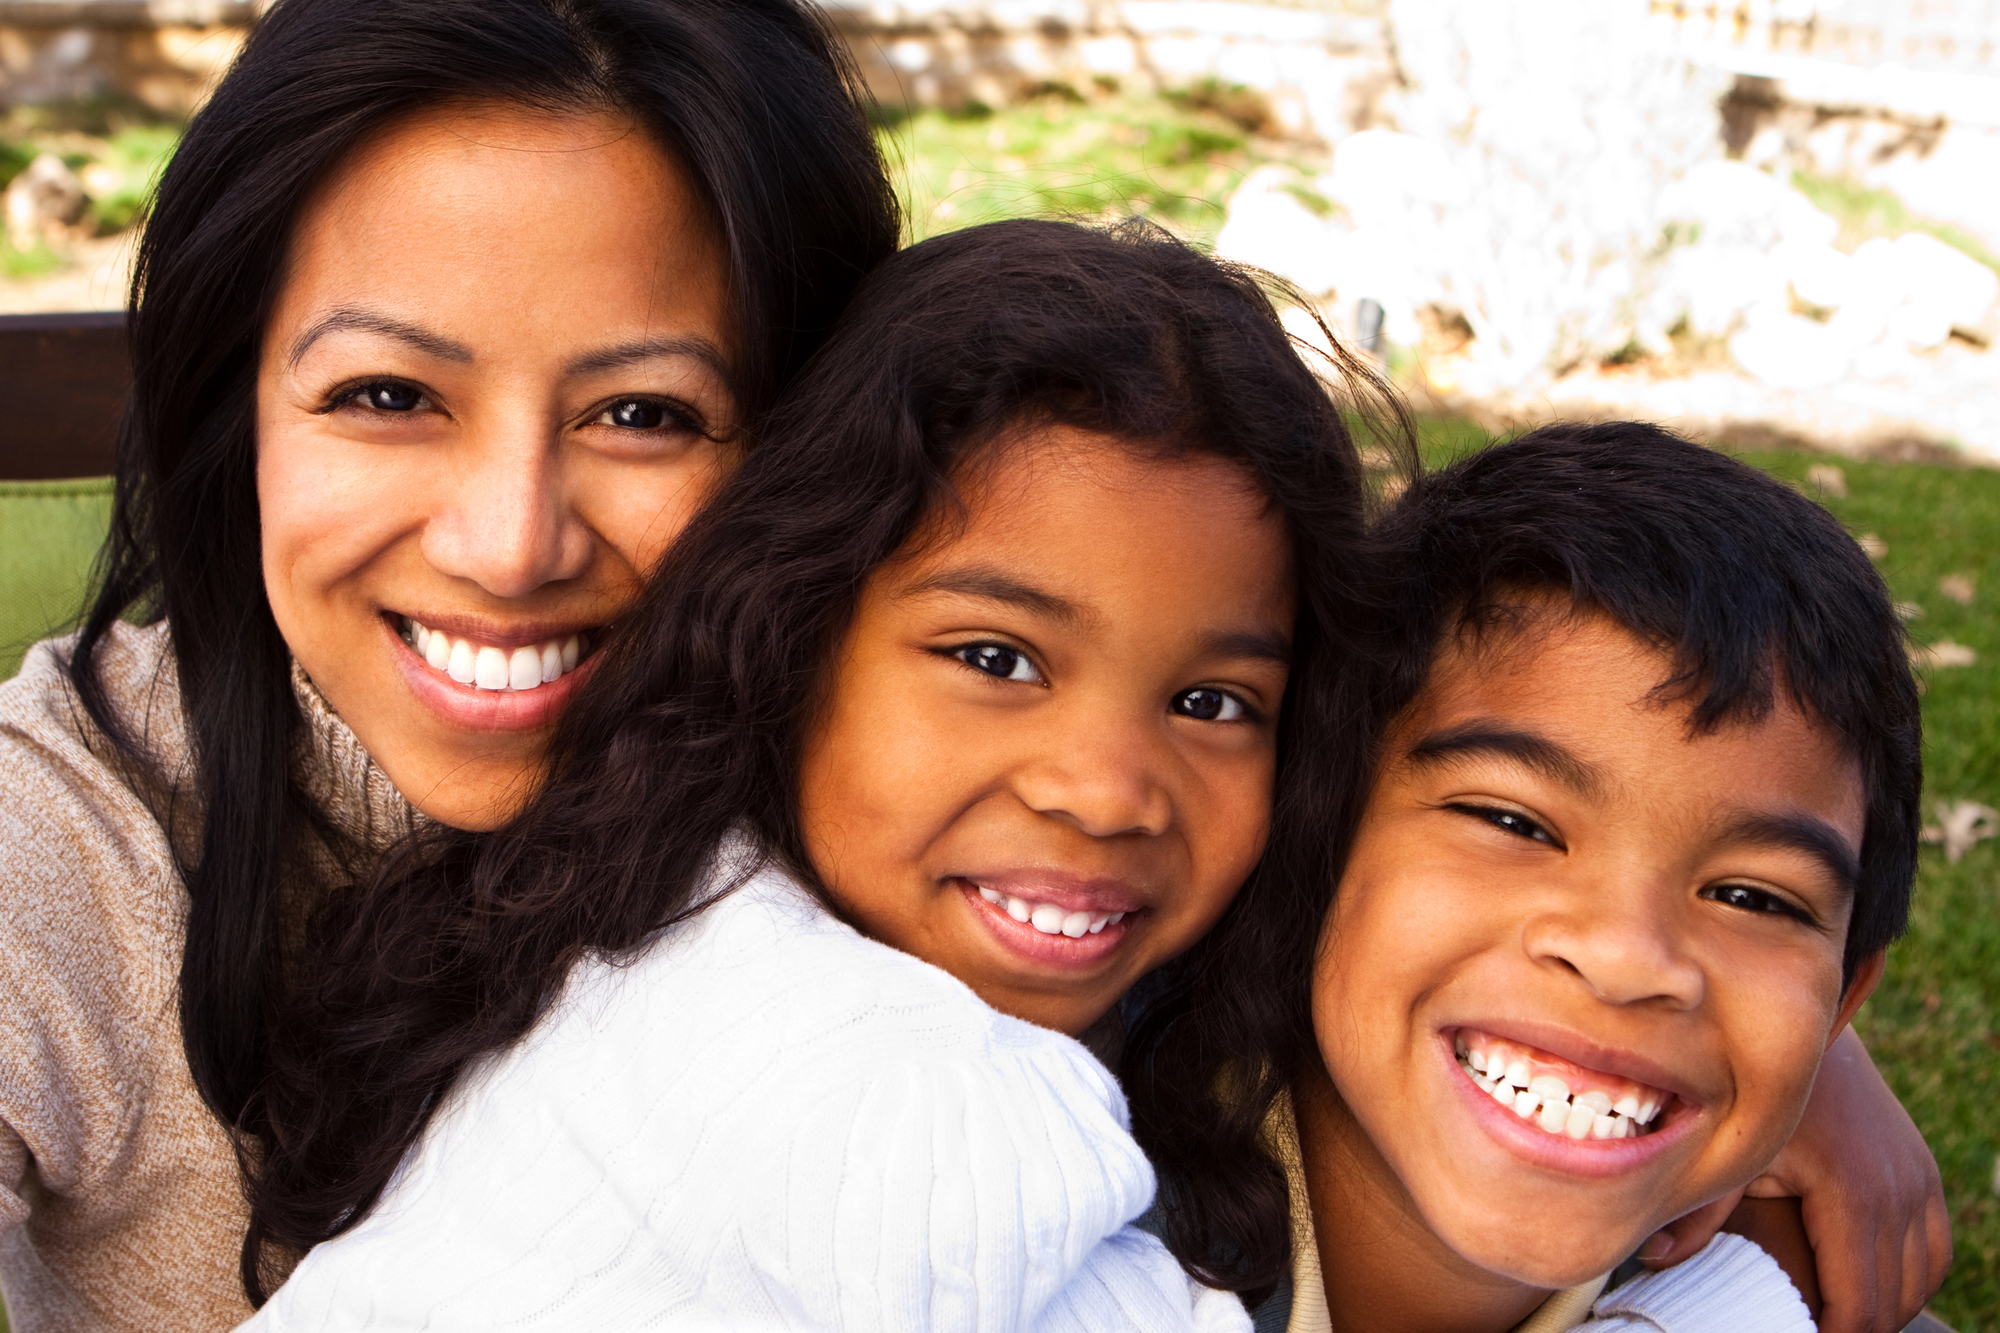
(1555, 882)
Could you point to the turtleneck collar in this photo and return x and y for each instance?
(340, 777)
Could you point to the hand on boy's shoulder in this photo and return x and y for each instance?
(1864, 1235)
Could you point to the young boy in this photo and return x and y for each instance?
(1643, 825)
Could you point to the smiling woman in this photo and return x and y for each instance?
(448, 316)
(458, 495)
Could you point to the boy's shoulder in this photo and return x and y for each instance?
(1731, 1286)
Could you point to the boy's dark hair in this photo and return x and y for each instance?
(1747, 584)
(693, 721)
(1750, 586)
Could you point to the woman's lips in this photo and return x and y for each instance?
(497, 696)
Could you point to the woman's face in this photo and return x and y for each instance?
(1046, 758)
(493, 389)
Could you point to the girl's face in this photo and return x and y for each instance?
(1046, 757)
(493, 388)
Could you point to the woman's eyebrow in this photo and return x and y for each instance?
(1813, 837)
(993, 586)
(647, 349)
(342, 320)
(1496, 740)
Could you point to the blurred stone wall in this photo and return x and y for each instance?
(164, 53)
(1321, 67)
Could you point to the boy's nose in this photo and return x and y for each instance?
(505, 523)
(1623, 951)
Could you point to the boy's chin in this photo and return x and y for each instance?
(1541, 1252)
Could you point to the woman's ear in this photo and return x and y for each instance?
(1866, 977)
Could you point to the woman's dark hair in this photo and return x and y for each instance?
(695, 718)
(1747, 585)
(756, 101)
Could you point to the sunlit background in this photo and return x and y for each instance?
(1773, 225)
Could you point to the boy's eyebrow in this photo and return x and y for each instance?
(1497, 740)
(1800, 833)
(994, 586)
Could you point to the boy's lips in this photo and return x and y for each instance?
(1551, 1107)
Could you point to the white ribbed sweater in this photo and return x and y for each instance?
(765, 1121)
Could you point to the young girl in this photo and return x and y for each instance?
(963, 707)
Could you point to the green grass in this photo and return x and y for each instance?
(1173, 159)
(1934, 1024)
(1865, 214)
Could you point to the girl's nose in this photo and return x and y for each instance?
(506, 522)
(1104, 779)
(1622, 943)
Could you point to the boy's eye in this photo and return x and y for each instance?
(1508, 821)
(1206, 704)
(1748, 898)
(998, 660)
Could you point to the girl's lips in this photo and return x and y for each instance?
(1044, 950)
(1596, 1158)
(483, 710)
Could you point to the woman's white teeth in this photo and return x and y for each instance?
(494, 668)
(1049, 918)
(1546, 1100)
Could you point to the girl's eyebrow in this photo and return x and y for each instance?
(994, 586)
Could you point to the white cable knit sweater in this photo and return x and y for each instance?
(765, 1121)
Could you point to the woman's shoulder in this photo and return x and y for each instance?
(44, 727)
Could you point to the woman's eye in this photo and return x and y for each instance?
(998, 660)
(1507, 821)
(641, 414)
(1747, 898)
(1209, 705)
(390, 396)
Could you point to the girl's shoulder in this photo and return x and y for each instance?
(767, 976)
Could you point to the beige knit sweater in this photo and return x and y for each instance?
(119, 1202)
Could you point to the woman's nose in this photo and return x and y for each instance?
(1621, 941)
(506, 522)
(1103, 776)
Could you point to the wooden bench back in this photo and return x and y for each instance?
(63, 379)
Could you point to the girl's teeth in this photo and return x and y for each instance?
(494, 668)
(1048, 918)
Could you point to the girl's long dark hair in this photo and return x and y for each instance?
(757, 102)
(694, 720)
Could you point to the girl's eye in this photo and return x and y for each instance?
(1206, 704)
(1509, 821)
(1748, 898)
(389, 396)
(1000, 661)
(641, 414)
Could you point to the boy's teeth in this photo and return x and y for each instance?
(491, 668)
(1048, 918)
(1546, 1100)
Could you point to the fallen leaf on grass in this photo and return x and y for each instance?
(1909, 611)
(1872, 546)
(1827, 480)
(1958, 587)
(1960, 825)
(1943, 653)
